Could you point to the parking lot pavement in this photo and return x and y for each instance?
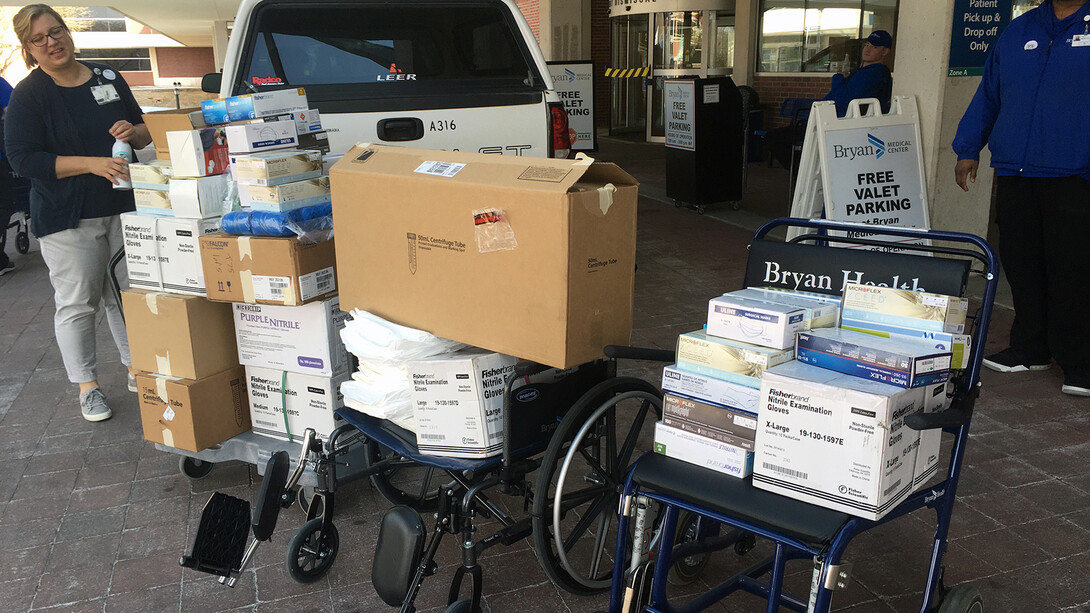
(92, 518)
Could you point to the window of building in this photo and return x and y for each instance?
(129, 60)
(820, 35)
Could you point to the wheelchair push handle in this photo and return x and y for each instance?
(639, 353)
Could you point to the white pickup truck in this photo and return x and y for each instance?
(440, 74)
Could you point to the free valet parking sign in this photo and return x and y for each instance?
(875, 176)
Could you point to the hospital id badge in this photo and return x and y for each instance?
(105, 94)
(1080, 40)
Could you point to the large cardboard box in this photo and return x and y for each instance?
(267, 270)
(193, 414)
(283, 411)
(527, 257)
(163, 253)
(179, 335)
(835, 440)
(303, 339)
(161, 122)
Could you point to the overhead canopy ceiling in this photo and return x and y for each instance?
(186, 21)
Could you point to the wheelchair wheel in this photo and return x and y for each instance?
(465, 605)
(306, 497)
(962, 598)
(687, 569)
(310, 556)
(403, 481)
(579, 483)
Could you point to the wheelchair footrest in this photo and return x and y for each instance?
(221, 536)
(398, 553)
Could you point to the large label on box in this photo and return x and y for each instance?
(303, 339)
(835, 446)
(458, 404)
(163, 252)
(285, 411)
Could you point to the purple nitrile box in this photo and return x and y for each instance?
(302, 339)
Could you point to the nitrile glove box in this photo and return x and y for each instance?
(818, 314)
(153, 202)
(155, 174)
(458, 402)
(199, 197)
(723, 424)
(902, 362)
(905, 308)
(935, 399)
(284, 411)
(261, 136)
(287, 197)
(742, 363)
(277, 167)
(751, 321)
(835, 440)
(712, 389)
(214, 111)
(304, 339)
(163, 253)
(694, 449)
(960, 345)
(267, 104)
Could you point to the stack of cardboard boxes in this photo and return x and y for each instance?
(194, 392)
(827, 427)
(712, 393)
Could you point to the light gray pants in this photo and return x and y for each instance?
(78, 261)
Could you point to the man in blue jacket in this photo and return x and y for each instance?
(1031, 110)
(871, 80)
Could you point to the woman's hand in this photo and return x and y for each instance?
(123, 131)
(112, 169)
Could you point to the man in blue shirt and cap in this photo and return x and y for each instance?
(871, 80)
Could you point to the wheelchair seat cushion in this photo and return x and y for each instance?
(737, 498)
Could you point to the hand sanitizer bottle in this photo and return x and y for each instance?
(122, 150)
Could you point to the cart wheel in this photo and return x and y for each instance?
(700, 209)
(736, 205)
(403, 481)
(309, 557)
(677, 203)
(194, 468)
(306, 497)
(962, 598)
(22, 242)
(464, 605)
(579, 485)
(687, 569)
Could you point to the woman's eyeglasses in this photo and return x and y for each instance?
(56, 32)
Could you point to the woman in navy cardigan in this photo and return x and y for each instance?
(60, 128)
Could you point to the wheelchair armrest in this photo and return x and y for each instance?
(528, 368)
(961, 409)
(639, 353)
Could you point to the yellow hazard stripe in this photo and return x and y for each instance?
(627, 73)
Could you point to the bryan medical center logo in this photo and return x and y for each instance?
(875, 147)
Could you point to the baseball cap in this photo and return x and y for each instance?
(880, 38)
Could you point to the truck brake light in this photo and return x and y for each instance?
(560, 143)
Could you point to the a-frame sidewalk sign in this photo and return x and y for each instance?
(864, 168)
